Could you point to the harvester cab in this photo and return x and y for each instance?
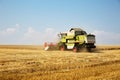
(61, 35)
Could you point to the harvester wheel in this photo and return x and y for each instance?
(62, 47)
(75, 49)
(89, 49)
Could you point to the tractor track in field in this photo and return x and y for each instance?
(104, 63)
(32, 70)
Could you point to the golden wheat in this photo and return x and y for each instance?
(33, 63)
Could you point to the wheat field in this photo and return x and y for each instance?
(33, 63)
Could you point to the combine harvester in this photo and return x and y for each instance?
(76, 39)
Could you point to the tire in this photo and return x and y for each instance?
(75, 49)
(89, 49)
(62, 47)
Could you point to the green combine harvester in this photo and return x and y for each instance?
(75, 39)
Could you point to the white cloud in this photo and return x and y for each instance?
(15, 35)
(17, 25)
(49, 30)
(9, 31)
(9, 35)
(103, 37)
(32, 36)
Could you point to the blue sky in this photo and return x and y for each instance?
(36, 21)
